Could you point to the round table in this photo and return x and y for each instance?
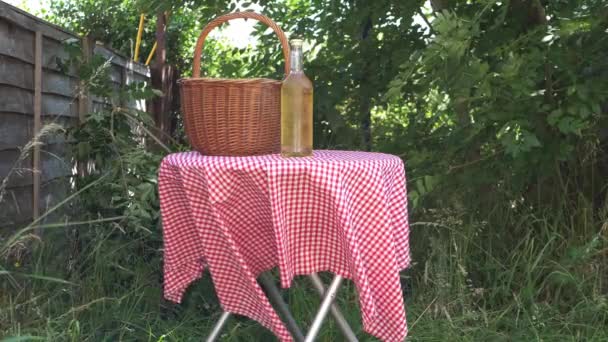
(339, 211)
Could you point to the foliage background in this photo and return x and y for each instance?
(499, 109)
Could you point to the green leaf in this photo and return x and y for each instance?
(584, 111)
(429, 183)
(84, 148)
(414, 197)
(570, 125)
(420, 187)
(554, 117)
(529, 140)
(595, 108)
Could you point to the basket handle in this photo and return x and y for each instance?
(196, 67)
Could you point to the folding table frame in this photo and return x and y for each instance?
(327, 305)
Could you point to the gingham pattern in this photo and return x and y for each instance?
(338, 211)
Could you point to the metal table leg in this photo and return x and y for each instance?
(277, 301)
(328, 299)
(327, 305)
(335, 312)
(217, 328)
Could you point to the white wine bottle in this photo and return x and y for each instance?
(296, 108)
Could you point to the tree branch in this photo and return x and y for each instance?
(428, 23)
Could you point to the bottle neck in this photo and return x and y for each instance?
(296, 59)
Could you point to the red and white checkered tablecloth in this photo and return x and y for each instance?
(338, 211)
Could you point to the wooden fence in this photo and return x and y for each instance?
(34, 91)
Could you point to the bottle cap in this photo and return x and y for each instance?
(296, 42)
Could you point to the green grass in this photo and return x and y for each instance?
(533, 279)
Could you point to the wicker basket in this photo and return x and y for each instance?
(233, 117)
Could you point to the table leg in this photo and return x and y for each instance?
(328, 299)
(217, 328)
(275, 297)
(335, 311)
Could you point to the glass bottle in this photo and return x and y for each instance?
(296, 108)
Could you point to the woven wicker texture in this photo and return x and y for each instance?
(233, 117)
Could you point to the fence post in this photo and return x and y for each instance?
(84, 102)
(36, 169)
(83, 93)
(126, 75)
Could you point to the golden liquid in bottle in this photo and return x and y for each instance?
(296, 115)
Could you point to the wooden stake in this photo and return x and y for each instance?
(140, 32)
(151, 53)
